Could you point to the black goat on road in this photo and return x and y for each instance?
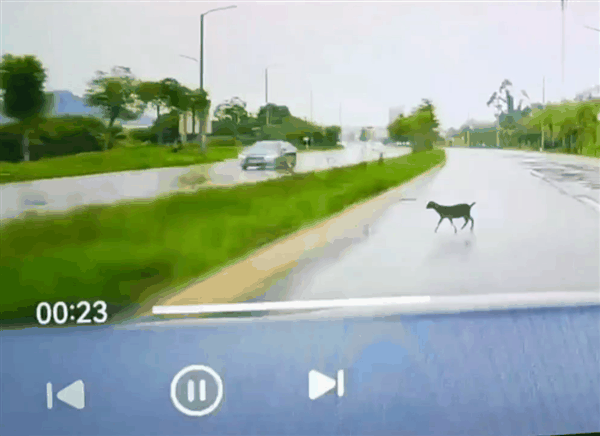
(451, 212)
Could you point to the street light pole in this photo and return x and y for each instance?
(267, 90)
(201, 65)
(267, 93)
(201, 79)
(543, 107)
(563, 47)
(193, 114)
(202, 41)
(311, 105)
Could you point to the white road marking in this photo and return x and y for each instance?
(287, 305)
(588, 200)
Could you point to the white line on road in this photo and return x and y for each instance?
(588, 200)
(287, 305)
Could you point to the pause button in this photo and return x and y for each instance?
(196, 390)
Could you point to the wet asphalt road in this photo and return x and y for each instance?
(64, 193)
(536, 229)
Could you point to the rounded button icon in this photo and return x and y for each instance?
(196, 390)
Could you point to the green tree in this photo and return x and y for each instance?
(174, 94)
(22, 83)
(503, 102)
(587, 127)
(424, 126)
(421, 128)
(198, 103)
(399, 129)
(232, 112)
(276, 114)
(549, 123)
(182, 99)
(568, 131)
(116, 96)
(152, 93)
(332, 134)
(509, 130)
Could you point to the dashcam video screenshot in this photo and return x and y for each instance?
(299, 218)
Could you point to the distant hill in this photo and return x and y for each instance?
(67, 103)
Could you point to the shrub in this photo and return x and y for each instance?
(10, 147)
(143, 135)
(69, 124)
(247, 139)
(169, 126)
(332, 134)
(63, 145)
(223, 142)
(224, 130)
(53, 137)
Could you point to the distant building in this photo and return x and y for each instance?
(395, 112)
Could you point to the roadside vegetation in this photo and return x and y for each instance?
(420, 128)
(570, 127)
(126, 253)
(127, 158)
(39, 144)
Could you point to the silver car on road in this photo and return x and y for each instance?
(269, 154)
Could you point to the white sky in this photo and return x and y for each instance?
(366, 56)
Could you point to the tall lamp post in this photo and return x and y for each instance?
(563, 5)
(202, 40)
(193, 115)
(267, 89)
(543, 107)
(311, 105)
(204, 118)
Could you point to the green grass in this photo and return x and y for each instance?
(124, 158)
(128, 252)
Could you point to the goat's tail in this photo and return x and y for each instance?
(472, 204)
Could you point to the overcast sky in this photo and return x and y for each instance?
(365, 56)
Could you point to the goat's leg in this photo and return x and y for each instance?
(438, 226)
(466, 222)
(453, 225)
(472, 223)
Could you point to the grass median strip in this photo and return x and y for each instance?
(117, 159)
(126, 253)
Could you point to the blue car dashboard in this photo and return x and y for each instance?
(504, 372)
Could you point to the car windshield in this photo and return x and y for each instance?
(263, 147)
